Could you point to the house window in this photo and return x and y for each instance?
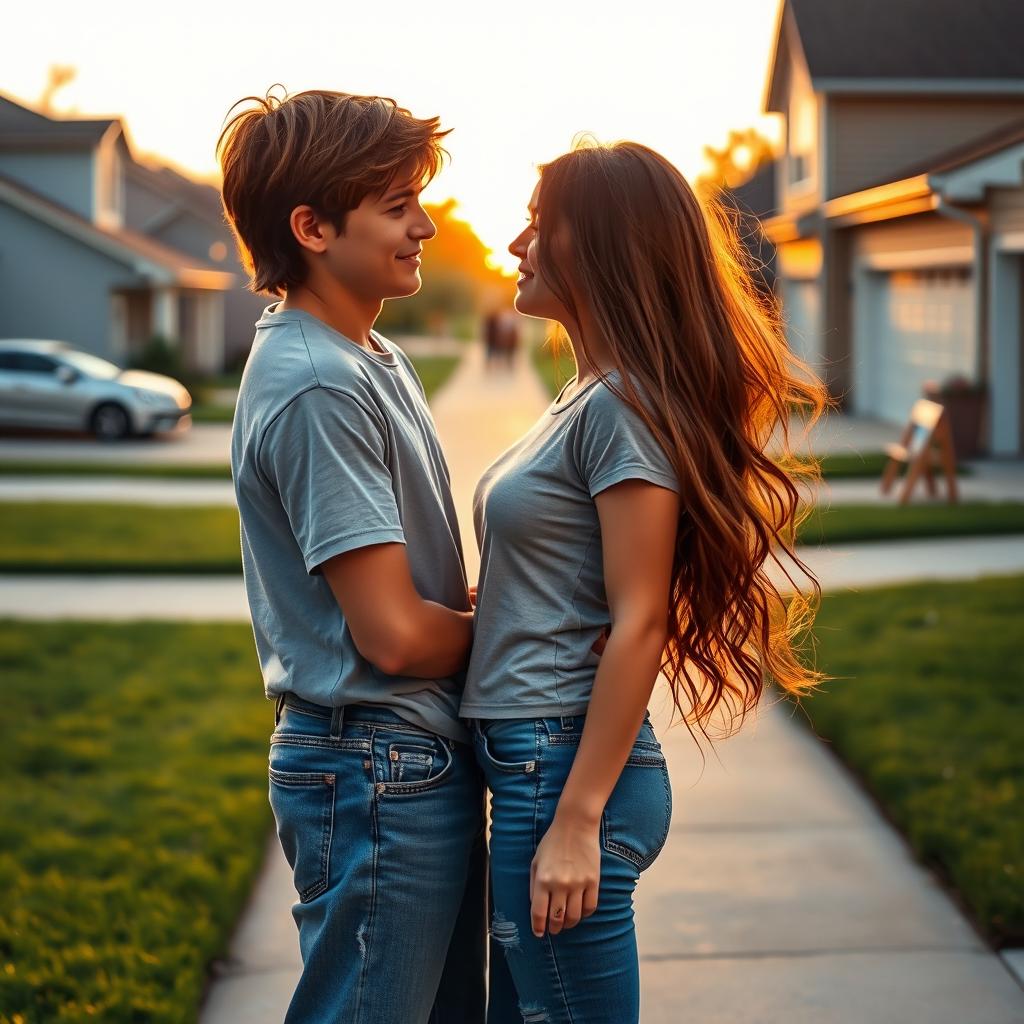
(801, 131)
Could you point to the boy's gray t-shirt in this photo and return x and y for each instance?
(334, 448)
(541, 600)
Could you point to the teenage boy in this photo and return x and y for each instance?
(353, 565)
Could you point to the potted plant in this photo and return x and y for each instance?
(964, 402)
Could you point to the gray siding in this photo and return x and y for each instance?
(1007, 206)
(65, 177)
(54, 286)
(872, 141)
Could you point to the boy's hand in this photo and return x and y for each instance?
(472, 596)
(598, 645)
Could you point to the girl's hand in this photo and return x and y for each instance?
(564, 876)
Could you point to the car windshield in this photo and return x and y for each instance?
(91, 365)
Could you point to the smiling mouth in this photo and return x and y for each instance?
(413, 257)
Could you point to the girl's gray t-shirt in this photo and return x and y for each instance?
(541, 600)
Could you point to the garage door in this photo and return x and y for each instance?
(920, 327)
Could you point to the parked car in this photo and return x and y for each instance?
(49, 384)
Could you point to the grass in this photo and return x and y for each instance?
(554, 372)
(180, 471)
(845, 524)
(925, 707)
(43, 537)
(862, 466)
(133, 818)
(51, 538)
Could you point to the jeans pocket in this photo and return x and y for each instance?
(303, 805)
(637, 816)
(415, 761)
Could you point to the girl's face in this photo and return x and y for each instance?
(533, 295)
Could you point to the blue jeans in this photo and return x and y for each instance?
(589, 973)
(382, 823)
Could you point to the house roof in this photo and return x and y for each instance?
(200, 198)
(757, 194)
(900, 46)
(22, 127)
(146, 256)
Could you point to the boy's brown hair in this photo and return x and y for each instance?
(327, 150)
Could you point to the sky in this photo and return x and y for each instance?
(516, 82)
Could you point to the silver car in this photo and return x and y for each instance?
(49, 384)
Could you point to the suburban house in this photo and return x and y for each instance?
(898, 218)
(106, 253)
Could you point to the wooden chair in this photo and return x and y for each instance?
(926, 445)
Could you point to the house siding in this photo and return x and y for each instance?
(875, 140)
(64, 177)
(63, 287)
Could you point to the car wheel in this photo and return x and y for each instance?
(110, 422)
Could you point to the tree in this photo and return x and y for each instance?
(742, 156)
(458, 285)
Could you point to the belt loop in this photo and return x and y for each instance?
(337, 722)
(567, 723)
(278, 708)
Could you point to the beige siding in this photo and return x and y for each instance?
(872, 141)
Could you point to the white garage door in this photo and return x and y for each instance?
(919, 327)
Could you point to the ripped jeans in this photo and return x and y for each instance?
(383, 826)
(588, 974)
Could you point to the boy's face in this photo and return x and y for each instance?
(378, 255)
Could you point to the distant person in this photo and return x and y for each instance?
(638, 514)
(501, 338)
(354, 567)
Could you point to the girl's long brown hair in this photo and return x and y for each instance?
(669, 292)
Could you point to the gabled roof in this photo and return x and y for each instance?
(144, 255)
(21, 127)
(200, 198)
(904, 46)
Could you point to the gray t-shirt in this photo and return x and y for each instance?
(334, 448)
(541, 600)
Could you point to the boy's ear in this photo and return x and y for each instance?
(308, 229)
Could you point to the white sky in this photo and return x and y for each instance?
(516, 85)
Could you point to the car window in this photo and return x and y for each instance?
(27, 362)
(33, 362)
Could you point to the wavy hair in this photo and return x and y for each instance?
(670, 293)
(328, 150)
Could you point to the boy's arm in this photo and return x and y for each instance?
(392, 626)
(326, 456)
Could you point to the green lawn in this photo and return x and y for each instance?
(844, 524)
(925, 707)
(47, 538)
(133, 816)
(43, 537)
(180, 471)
